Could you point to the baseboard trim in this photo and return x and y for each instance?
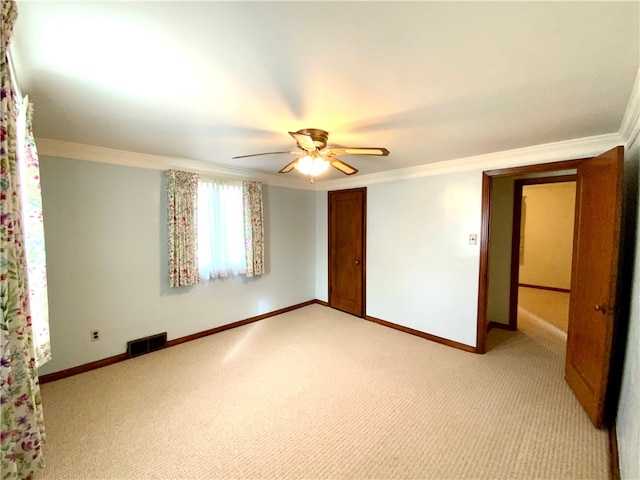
(239, 323)
(418, 333)
(614, 466)
(542, 287)
(323, 303)
(69, 372)
(501, 326)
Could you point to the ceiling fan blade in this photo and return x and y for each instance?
(304, 141)
(378, 151)
(266, 153)
(289, 167)
(340, 165)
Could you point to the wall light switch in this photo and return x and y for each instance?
(473, 239)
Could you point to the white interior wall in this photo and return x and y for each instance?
(106, 237)
(421, 271)
(322, 247)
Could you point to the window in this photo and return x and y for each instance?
(215, 228)
(221, 232)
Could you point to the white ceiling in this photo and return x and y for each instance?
(431, 81)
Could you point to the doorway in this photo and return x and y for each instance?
(594, 271)
(496, 246)
(505, 242)
(542, 251)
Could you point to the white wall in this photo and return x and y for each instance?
(628, 418)
(106, 237)
(421, 271)
(322, 246)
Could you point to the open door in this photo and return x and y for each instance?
(592, 308)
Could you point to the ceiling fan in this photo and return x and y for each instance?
(316, 157)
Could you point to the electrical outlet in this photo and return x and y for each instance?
(473, 239)
(95, 335)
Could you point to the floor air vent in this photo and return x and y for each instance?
(146, 344)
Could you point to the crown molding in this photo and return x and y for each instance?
(630, 126)
(550, 152)
(76, 151)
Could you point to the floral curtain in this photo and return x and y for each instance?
(253, 227)
(31, 197)
(22, 426)
(182, 190)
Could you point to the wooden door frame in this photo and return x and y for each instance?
(515, 238)
(364, 246)
(483, 277)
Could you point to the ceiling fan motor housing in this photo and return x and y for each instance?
(318, 136)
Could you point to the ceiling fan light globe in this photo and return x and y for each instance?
(312, 166)
(320, 165)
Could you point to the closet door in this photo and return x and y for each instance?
(347, 232)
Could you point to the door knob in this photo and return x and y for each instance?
(357, 262)
(600, 308)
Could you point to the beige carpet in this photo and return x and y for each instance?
(316, 393)
(549, 306)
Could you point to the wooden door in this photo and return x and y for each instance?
(594, 279)
(347, 213)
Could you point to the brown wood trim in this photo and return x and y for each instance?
(364, 251)
(515, 254)
(541, 287)
(428, 336)
(322, 302)
(69, 372)
(551, 179)
(51, 377)
(537, 168)
(206, 333)
(483, 279)
(329, 254)
(501, 326)
(614, 457)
